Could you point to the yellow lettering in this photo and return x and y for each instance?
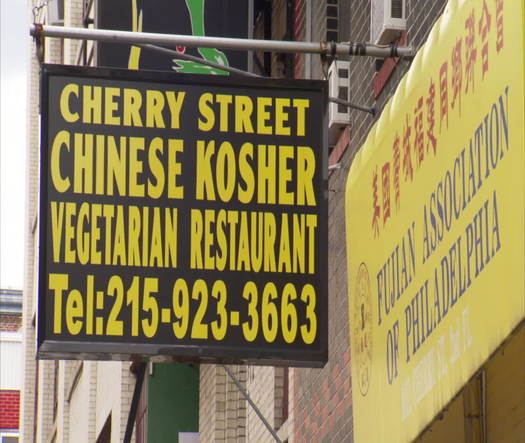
(82, 234)
(311, 224)
(119, 251)
(69, 231)
(58, 283)
(74, 310)
(111, 106)
(285, 261)
(270, 231)
(175, 105)
(132, 101)
(156, 168)
(245, 195)
(61, 184)
(154, 106)
(225, 163)
(145, 235)
(83, 169)
(221, 253)
(206, 112)
(170, 238)
(233, 218)
(99, 176)
(92, 104)
(301, 105)
(298, 256)
(96, 255)
(257, 241)
(133, 236)
(109, 212)
(65, 96)
(155, 258)
(263, 115)
(174, 168)
(57, 223)
(285, 175)
(136, 144)
(305, 176)
(204, 176)
(116, 165)
(209, 220)
(266, 167)
(281, 116)
(224, 102)
(243, 254)
(196, 239)
(243, 113)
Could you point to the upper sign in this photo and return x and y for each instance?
(435, 222)
(225, 18)
(182, 216)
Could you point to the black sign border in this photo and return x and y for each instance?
(92, 350)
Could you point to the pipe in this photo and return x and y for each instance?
(252, 404)
(340, 101)
(140, 371)
(135, 38)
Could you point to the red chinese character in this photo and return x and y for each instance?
(407, 155)
(419, 145)
(431, 120)
(471, 52)
(457, 75)
(443, 93)
(499, 25)
(484, 28)
(397, 167)
(385, 178)
(375, 205)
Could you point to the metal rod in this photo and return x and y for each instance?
(252, 404)
(140, 371)
(483, 393)
(244, 73)
(352, 105)
(136, 38)
(198, 60)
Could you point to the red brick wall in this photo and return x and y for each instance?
(10, 322)
(323, 397)
(9, 409)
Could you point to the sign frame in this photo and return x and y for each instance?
(114, 350)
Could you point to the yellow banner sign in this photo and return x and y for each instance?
(435, 209)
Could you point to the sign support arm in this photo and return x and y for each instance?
(252, 404)
(136, 38)
(140, 371)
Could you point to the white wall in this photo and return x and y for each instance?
(10, 360)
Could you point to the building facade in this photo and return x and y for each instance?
(10, 363)
(73, 401)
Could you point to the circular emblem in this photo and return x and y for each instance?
(362, 329)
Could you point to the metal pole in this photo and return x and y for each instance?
(136, 38)
(199, 60)
(236, 71)
(140, 372)
(252, 404)
(352, 105)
